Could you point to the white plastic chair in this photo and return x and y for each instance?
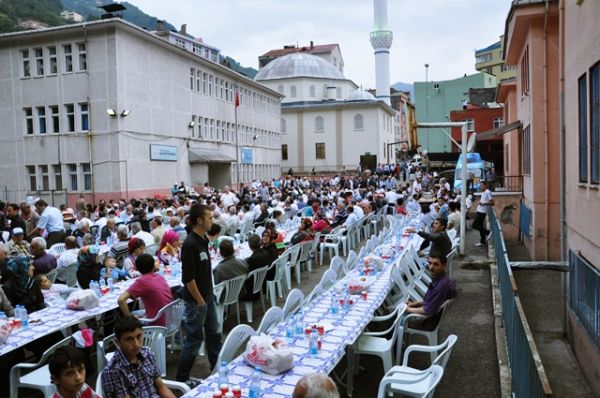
(150, 249)
(153, 337)
(173, 313)
(68, 274)
(171, 385)
(271, 318)
(432, 336)
(421, 385)
(328, 279)
(314, 249)
(293, 302)
(39, 377)
(331, 242)
(52, 275)
(57, 249)
(450, 261)
(304, 258)
(234, 341)
(259, 230)
(350, 262)
(337, 264)
(257, 277)
(294, 255)
(244, 230)
(232, 288)
(441, 359)
(278, 283)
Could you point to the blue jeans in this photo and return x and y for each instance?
(198, 321)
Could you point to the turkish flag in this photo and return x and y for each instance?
(237, 99)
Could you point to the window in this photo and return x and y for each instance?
(284, 152)
(212, 126)
(227, 91)
(526, 151)
(204, 78)
(311, 91)
(196, 49)
(583, 133)
(68, 51)
(39, 61)
(45, 177)
(87, 176)
(52, 59)
(55, 118)
(483, 58)
(293, 91)
(221, 86)
(320, 150)
(85, 117)
(283, 126)
(72, 176)
(180, 43)
(498, 122)
(319, 124)
(82, 53)
(41, 114)
(58, 185)
(28, 120)
(218, 128)
(210, 84)
(25, 58)
(470, 124)
(32, 177)
(338, 92)
(525, 72)
(192, 75)
(595, 124)
(358, 122)
(70, 110)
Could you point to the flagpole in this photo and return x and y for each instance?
(237, 145)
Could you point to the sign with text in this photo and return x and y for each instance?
(246, 156)
(163, 152)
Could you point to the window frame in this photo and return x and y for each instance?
(68, 57)
(29, 126)
(52, 60)
(81, 56)
(320, 151)
(25, 63)
(31, 172)
(582, 127)
(70, 116)
(319, 124)
(84, 116)
(359, 126)
(42, 124)
(38, 54)
(284, 152)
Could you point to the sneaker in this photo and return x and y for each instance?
(193, 382)
(488, 236)
(478, 244)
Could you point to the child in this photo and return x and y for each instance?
(54, 293)
(67, 371)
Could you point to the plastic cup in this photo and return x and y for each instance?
(307, 331)
(363, 294)
(217, 394)
(321, 330)
(224, 388)
(237, 391)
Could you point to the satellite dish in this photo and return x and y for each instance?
(471, 142)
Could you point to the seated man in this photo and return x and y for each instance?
(151, 287)
(67, 372)
(230, 267)
(18, 244)
(42, 262)
(437, 240)
(258, 259)
(442, 288)
(68, 257)
(315, 385)
(119, 250)
(133, 370)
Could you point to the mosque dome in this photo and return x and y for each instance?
(299, 65)
(361, 95)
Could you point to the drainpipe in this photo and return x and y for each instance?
(90, 127)
(546, 154)
(564, 276)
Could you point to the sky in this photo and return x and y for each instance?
(441, 33)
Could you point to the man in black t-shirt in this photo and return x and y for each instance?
(200, 315)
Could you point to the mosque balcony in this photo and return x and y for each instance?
(382, 39)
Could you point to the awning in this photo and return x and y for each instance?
(197, 155)
(499, 130)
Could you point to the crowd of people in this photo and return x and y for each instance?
(141, 235)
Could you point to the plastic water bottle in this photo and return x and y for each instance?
(299, 324)
(290, 329)
(111, 284)
(102, 285)
(334, 303)
(3, 316)
(161, 269)
(346, 302)
(223, 374)
(95, 288)
(24, 317)
(255, 390)
(313, 347)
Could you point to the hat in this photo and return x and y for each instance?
(68, 214)
(18, 231)
(169, 209)
(31, 200)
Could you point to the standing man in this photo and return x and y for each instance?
(200, 315)
(51, 221)
(485, 201)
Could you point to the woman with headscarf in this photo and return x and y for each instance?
(304, 232)
(19, 284)
(169, 247)
(135, 249)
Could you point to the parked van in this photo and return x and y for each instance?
(475, 171)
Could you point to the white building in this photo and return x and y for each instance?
(327, 123)
(184, 40)
(111, 110)
(71, 16)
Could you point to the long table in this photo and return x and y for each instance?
(53, 319)
(346, 329)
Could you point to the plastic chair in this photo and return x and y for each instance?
(52, 275)
(235, 339)
(294, 255)
(450, 261)
(150, 249)
(422, 384)
(278, 282)
(173, 313)
(68, 274)
(432, 336)
(57, 249)
(292, 303)
(328, 279)
(305, 248)
(232, 288)
(441, 359)
(337, 264)
(259, 231)
(153, 337)
(271, 318)
(171, 385)
(314, 250)
(331, 242)
(244, 230)
(39, 376)
(258, 278)
(350, 262)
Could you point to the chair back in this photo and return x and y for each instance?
(258, 278)
(69, 274)
(329, 278)
(259, 231)
(94, 229)
(305, 248)
(436, 373)
(315, 242)
(351, 261)
(150, 249)
(244, 229)
(451, 233)
(234, 341)
(450, 261)
(57, 249)
(444, 350)
(294, 254)
(337, 264)
(316, 292)
(233, 287)
(52, 275)
(173, 313)
(280, 264)
(271, 318)
(293, 302)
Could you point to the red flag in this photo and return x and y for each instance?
(237, 99)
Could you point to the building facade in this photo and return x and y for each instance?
(491, 60)
(113, 111)
(329, 52)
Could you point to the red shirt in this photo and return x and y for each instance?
(154, 290)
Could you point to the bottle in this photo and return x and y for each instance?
(313, 347)
(102, 285)
(346, 302)
(3, 316)
(161, 269)
(24, 317)
(255, 390)
(111, 284)
(299, 328)
(95, 287)
(290, 329)
(334, 303)
(223, 374)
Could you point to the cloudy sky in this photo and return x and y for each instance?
(442, 33)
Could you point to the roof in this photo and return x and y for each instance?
(299, 65)
(318, 49)
(198, 155)
(361, 95)
(306, 105)
(488, 48)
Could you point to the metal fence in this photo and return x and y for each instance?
(53, 198)
(508, 184)
(585, 295)
(527, 373)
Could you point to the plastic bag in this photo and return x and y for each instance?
(4, 331)
(82, 300)
(272, 355)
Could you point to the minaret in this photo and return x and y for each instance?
(381, 40)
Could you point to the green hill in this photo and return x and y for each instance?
(12, 12)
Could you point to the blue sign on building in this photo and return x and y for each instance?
(246, 156)
(163, 152)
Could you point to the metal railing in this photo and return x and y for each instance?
(528, 378)
(53, 198)
(507, 184)
(585, 295)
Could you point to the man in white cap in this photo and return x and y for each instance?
(18, 245)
